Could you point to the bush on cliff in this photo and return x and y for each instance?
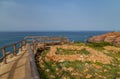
(101, 44)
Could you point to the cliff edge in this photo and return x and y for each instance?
(111, 37)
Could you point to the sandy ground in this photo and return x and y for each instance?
(17, 67)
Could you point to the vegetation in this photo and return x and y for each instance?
(80, 69)
(101, 44)
(62, 51)
(79, 43)
(98, 46)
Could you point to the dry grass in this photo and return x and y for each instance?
(87, 63)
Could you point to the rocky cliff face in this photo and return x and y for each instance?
(111, 37)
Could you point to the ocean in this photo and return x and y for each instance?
(11, 37)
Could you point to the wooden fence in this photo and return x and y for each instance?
(15, 49)
(34, 40)
(47, 39)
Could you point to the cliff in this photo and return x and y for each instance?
(111, 37)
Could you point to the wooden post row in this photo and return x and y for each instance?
(4, 55)
(14, 47)
(25, 41)
(21, 45)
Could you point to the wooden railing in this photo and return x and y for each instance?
(46, 39)
(33, 40)
(15, 49)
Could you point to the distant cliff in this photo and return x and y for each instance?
(111, 37)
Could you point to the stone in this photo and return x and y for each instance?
(56, 69)
(70, 69)
(111, 37)
(86, 70)
(52, 76)
(61, 60)
(88, 76)
(47, 70)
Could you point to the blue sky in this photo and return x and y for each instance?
(59, 15)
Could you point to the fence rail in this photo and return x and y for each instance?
(34, 40)
(15, 49)
(47, 39)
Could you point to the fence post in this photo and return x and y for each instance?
(44, 43)
(14, 47)
(4, 55)
(36, 45)
(33, 46)
(52, 40)
(21, 45)
(25, 41)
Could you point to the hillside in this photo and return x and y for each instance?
(79, 61)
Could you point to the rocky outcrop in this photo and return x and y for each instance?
(111, 37)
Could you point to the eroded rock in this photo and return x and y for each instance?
(111, 37)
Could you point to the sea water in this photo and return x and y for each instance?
(11, 37)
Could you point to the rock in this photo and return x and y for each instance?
(117, 41)
(47, 70)
(61, 60)
(52, 76)
(112, 48)
(96, 39)
(111, 37)
(56, 69)
(86, 70)
(70, 69)
(88, 76)
(42, 66)
(64, 69)
(105, 70)
(65, 78)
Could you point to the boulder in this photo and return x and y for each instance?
(111, 37)
(117, 41)
(96, 39)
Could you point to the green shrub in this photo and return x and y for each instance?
(69, 51)
(101, 44)
(79, 43)
(84, 51)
